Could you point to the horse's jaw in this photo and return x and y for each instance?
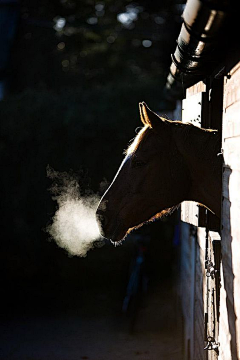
(117, 230)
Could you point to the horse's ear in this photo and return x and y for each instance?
(148, 117)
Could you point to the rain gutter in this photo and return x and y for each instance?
(198, 44)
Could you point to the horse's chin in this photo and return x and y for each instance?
(115, 237)
(115, 232)
(120, 233)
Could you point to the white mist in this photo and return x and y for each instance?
(74, 226)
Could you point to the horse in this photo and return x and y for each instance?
(167, 163)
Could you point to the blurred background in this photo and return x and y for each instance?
(71, 76)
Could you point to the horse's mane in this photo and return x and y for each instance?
(135, 142)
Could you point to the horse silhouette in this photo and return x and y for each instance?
(167, 162)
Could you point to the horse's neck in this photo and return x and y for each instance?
(200, 149)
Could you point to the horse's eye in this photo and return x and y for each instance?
(137, 163)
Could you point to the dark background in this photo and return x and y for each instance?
(70, 100)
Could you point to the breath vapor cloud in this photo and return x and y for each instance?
(74, 227)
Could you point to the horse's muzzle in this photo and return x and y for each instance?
(108, 229)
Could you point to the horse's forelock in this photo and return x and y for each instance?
(136, 141)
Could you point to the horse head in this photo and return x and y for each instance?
(151, 181)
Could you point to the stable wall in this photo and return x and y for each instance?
(229, 335)
(211, 306)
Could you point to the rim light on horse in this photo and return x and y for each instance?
(168, 162)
